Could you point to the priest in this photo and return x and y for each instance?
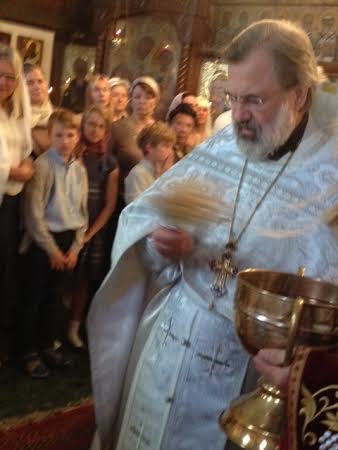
(165, 356)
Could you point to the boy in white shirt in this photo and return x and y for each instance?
(156, 142)
(56, 221)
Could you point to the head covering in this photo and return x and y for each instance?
(174, 103)
(149, 81)
(117, 81)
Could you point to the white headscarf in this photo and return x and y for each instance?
(117, 81)
(174, 103)
(150, 82)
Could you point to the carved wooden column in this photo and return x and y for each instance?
(183, 69)
(193, 32)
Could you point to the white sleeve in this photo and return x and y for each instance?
(4, 167)
(136, 182)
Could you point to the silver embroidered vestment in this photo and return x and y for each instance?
(151, 334)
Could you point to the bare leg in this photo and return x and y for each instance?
(79, 302)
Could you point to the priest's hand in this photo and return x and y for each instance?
(268, 362)
(172, 243)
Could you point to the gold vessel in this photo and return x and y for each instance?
(276, 310)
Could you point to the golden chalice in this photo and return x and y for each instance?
(276, 310)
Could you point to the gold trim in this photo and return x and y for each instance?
(315, 405)
(297, 369)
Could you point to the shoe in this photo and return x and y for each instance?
(76, 344)
(34, 366)
(82, 349)
(73, 335)
(56, 359)
(56, 344)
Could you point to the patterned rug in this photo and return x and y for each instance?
(68, 428)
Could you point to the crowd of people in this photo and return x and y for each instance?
(165, 356)
(66, 174)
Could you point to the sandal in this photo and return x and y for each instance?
(34, 366)
(56, 359)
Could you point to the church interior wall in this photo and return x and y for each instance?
(186, 36)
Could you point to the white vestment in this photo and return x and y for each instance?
(178, 363)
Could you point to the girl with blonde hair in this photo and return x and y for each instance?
(203, 113)
(103, 177)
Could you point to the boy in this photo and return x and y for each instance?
(56, 220)
(156, 142)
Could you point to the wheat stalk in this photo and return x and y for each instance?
(190, 202)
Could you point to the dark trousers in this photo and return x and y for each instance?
(9, 242)
(42, 307)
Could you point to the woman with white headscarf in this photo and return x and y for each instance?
(144, 94)
(15, 169)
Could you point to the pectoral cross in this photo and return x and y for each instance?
(224, 268)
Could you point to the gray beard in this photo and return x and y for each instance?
(270, 139)
(255, 151)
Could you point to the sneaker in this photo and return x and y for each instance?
(56, 359)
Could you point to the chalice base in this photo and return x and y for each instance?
(254, 421)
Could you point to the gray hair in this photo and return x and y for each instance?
(289, 45)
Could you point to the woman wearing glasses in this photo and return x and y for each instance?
(15, 169)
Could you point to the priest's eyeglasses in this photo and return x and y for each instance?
(253, 102)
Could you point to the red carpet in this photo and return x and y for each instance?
(67, 429)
